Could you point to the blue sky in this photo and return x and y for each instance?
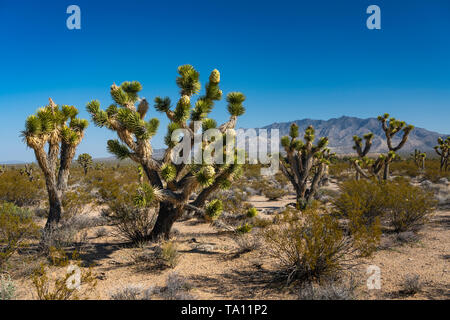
(292, 59)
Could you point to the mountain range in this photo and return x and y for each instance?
(340, 132)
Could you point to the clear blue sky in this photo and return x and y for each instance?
(293, 60)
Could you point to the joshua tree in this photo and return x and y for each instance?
(419, 158)
(2, 169)
(442, 149)
(173, 184)
(362, 154)
(85, 161)
(390, 128)
(60, 128)
(303, 159)
(28, 171)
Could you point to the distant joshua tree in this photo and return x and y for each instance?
(304, 160)
(85, 161)
(419, 158)
(60, 129)
(367, 167)
(172, 184)
(391, 127)
(442, 149)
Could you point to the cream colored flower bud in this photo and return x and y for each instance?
(215, 76)
(209, 171)
(185, 100)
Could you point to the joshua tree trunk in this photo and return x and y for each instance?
(167, 216)
(54, 199)
(386, 171)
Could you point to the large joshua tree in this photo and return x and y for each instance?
(443, 150)
(177, 187)
(305, 163)
(391, 127)
(58, 129)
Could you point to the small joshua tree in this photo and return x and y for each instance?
(391, 127)
(363, 165)
(28, 171)
(304, 159)
(60, 129)
(174, 184)
(85, 161)
(419, 158)
(442, 149)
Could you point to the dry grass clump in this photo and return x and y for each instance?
(411, 284)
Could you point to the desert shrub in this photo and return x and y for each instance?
(364, 195)
(272, 193)
(101, 232)
(132, 292)
(75, 200)
(338, 168)
(411, 284)
(246, 242)
(408, 207)
(65, 286)
(177, 288)
(329, 290)
(18, 189)
(213, 210)
(16, 227)
(252, 212)
(261, 222)
(168, 254)
(308, 245)
(244, 228)
(133, 214)
(405, 207)
(7, 287)
(233, 201)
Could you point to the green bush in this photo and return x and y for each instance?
(18, 189)
(252, 212)
(402, 205)
(408, 207)
(16, 226)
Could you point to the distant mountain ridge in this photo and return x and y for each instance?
(340, 132)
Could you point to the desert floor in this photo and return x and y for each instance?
(210, 263)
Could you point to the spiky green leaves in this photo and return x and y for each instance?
(50, 121)
(213, 210)
(208, 124)
(32, 126)
(162, 104)
(168, 172)
(99, 117)
(293, 131)
(188, 81)
(181, 112)
(126, 93)
(168, 138)
(131, 120)
(309, 134)
(235, 100)
(119, 150)
(205, 176)
(145, 195)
